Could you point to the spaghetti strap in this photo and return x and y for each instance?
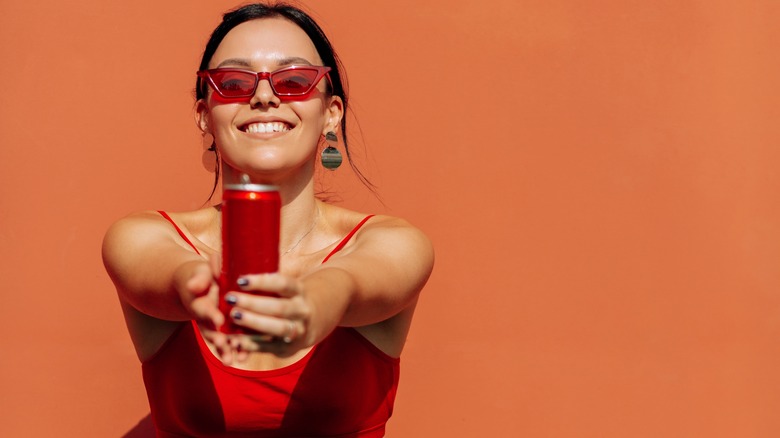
(348, 236)
(181, 233)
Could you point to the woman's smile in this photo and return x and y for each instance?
(266, 127)
(260, 127)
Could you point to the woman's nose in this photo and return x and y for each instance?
(264, 95)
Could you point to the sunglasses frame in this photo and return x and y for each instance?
(261, 75)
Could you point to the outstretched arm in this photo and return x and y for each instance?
(159, 279)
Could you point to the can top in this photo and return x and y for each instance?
(246, 186)
(252, 187)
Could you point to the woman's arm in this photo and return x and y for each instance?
(159, 278)
(378, 276)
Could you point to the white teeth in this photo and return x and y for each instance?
(267, 127)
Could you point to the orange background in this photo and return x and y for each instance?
(600, 180)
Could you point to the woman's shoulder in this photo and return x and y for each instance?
(143, 224)
(193, 221)
(345, 219)
(156, 217)
(137, 227)
(143, 227)
(392, 234)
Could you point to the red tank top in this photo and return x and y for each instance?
(344, 387)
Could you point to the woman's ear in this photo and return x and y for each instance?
(201, 116)
(333, 114)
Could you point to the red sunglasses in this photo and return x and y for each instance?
(292, 81)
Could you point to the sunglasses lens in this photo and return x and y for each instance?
(294, 82)
(234, 83)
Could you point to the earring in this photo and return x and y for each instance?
(331, 157)
(209, 157)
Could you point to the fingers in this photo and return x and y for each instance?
(287, 330)
(223, 345)
(200, 294)
(215, 263)
(204, 309)
(284, 317)
(281, 321)
(293, 308)
(200, 280)
(275, 283)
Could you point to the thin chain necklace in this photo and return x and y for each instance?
(313, 224)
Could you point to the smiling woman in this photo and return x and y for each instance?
(269, 90)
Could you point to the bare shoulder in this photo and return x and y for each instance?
(145, 228)
(389, 238)
(136, 226)
(374, 226)
(139, 221)
(396, 231)
(143, 243)
(154, 220)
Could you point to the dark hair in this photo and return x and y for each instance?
(329, 58)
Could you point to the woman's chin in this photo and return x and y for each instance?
(265, 171)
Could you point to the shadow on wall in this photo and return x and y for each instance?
(144, 429)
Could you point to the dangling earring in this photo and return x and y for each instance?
(209, 157)
(331, 157)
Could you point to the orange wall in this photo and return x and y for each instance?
(600, 180)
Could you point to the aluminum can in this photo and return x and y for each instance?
(250, 239)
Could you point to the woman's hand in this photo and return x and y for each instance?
(283, 322)
(196, 283)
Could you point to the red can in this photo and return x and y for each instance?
(250, 238)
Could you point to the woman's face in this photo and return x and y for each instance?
(269, 138)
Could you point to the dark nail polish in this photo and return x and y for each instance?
(237, 315)
(231, 299)
(242, 282)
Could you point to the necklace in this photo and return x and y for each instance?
(313, 224)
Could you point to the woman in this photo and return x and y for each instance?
(327, 363)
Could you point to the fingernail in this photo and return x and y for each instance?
(237, 315)
(242, 282)
(231, 299)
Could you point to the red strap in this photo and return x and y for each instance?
(181, 233)
(349, 236)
